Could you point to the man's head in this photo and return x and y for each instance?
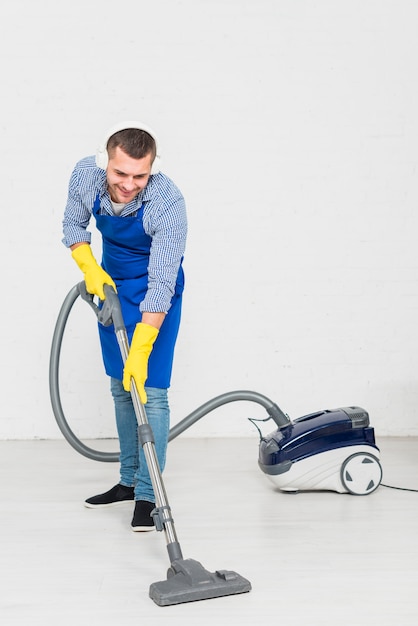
(129, 156)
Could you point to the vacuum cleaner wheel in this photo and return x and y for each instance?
(361, 473)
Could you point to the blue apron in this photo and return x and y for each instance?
(126, 250)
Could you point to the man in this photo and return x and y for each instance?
(141, 216)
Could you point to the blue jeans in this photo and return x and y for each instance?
(133, 466)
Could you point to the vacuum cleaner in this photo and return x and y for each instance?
(333, 450)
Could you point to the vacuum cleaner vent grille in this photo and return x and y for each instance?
(358, 416)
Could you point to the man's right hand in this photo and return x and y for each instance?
(94, 276)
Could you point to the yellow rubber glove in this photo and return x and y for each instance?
(94, 276)
(136, 365)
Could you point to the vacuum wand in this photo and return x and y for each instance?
(187, 580)
(161, 515)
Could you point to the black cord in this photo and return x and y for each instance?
(399, 488)
(253, 420)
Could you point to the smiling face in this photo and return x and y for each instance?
(127, 177)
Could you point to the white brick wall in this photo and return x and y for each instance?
(291, 128)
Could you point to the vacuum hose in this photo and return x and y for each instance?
(274, 412)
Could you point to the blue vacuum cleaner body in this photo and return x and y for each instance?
(332, 450)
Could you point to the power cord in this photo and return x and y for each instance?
(253, 420)
(398, 488)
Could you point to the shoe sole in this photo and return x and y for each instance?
(89, 505)
(142, 529)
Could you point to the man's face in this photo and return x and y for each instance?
(127, 177)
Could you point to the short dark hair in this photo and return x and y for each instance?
(135, 142)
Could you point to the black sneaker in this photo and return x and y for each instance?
(142, 520)
(117, 495)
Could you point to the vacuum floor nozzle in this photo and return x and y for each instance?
(188, 581)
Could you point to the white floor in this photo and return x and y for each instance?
(312, 558)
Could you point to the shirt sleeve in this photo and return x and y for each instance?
(168, 228)
(76, 215)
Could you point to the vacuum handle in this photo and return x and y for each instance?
(111, 309)
(110, 312)
(87, 297)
